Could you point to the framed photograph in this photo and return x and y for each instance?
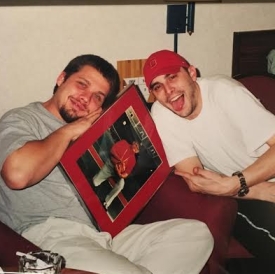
(119, 163)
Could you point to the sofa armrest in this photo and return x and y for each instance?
(175, 200)
(10, 243)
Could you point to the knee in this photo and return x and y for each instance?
(190, 228)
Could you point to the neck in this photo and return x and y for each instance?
(197, 107)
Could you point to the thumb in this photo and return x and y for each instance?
(198, 171)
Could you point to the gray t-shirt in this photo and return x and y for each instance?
(54, 196)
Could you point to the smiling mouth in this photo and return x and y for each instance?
(77, 105)
(174, 99)
(177, 102)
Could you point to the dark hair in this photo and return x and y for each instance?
(102, 66)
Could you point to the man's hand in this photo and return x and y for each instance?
(78, 127)
(209, 182)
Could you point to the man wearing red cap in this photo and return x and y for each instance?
(207, 131)
(122, 161)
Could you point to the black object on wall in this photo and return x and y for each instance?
(180, 18)
(176, 19)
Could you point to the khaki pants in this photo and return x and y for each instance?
(175, 246)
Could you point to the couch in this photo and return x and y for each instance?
(174, 200)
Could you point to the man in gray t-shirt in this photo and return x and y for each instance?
(33, 139)
(53, 196)
(36, 198)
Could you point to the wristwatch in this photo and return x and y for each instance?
(244, 189)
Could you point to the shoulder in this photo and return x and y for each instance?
(31, 122)
(21, 111)
(220, 88)
(221, 83)
(33, 113)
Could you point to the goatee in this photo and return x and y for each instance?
(66, 116)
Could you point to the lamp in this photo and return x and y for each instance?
(180, 18)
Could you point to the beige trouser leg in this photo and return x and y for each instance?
(170, 247)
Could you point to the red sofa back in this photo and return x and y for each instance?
(263, 87)
(10, 243)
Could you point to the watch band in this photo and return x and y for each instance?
(244, 189)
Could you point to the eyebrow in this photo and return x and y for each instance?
(165, 76)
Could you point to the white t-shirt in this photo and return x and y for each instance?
(229, 134)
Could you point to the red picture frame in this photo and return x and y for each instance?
(128, 119)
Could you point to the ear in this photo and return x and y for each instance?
(192, 72)
(60, 78)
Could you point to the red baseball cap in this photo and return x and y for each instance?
(162, 62)
(122, 151)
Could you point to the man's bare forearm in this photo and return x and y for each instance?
(29, 164)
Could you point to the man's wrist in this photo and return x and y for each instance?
(244, 189)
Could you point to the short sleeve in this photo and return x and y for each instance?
(15, 131)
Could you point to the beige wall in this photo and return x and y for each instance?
(37, 42)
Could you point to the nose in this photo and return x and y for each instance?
(168, 88)
(85, 97)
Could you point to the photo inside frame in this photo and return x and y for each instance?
(97, 166)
